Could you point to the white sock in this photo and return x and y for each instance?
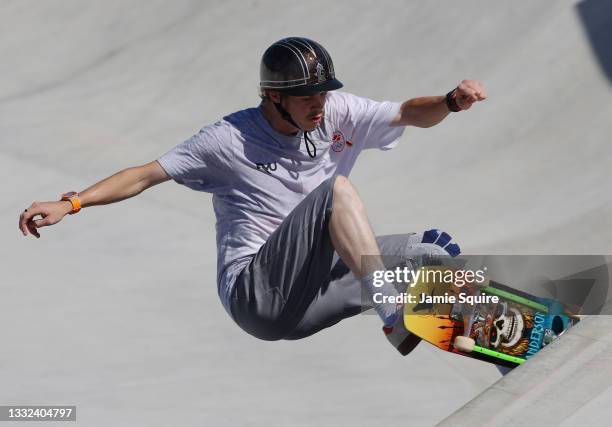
(388, 312)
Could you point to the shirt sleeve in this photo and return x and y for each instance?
(368, 122)
(202, 162)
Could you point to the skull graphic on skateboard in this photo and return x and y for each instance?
(487, 321)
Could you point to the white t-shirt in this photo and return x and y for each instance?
(258, 175)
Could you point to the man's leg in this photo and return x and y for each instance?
(275, 289)
(350, 231)
(287, 283)
(272, 293)
(342, 295)
(354, 240)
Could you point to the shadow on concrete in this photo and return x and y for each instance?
(596, 17)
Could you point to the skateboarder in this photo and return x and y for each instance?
(291, 228)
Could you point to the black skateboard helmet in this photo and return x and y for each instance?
(297, 66)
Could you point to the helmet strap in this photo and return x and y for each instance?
(309, 143)
(286, 116)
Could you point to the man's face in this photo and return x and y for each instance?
(306, 111)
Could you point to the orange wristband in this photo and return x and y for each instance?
(74, 199)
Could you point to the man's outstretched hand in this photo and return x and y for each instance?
(468, 92)
(50, 213)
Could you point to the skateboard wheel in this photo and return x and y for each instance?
(464, 344)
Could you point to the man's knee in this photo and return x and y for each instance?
(261, 314)
(264, 328)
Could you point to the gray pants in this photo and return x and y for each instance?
(296, 284)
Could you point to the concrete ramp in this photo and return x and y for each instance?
(567, 383)
(115, 310)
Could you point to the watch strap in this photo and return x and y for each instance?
(74, 199)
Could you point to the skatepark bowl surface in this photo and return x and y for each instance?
(115, 310)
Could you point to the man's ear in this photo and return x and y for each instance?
(273, 95)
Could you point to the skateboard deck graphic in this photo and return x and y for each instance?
(494, 323)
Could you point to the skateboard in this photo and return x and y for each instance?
(487, 321)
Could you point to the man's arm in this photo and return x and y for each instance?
(123, 185)
(120, 186)
(428, 111)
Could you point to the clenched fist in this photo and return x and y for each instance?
(468, 92)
